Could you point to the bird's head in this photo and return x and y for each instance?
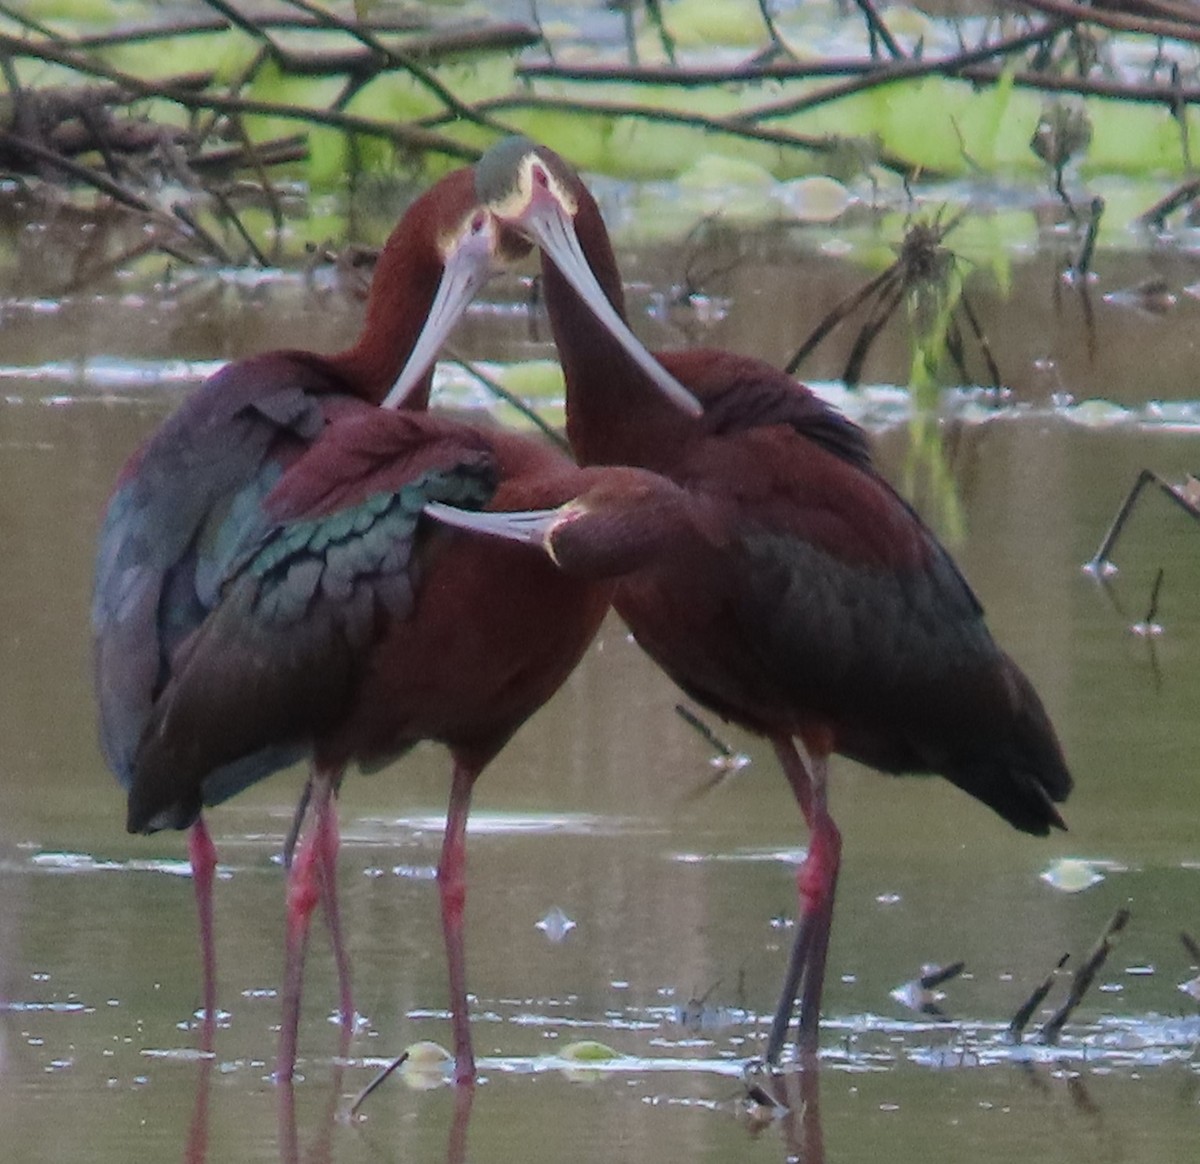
(450, 240)
(534, 193)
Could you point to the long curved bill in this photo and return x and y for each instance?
(531, 526)
(550, 228)
(467, 268)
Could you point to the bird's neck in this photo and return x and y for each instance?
(615, 414)
(402, 292)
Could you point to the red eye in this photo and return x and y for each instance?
(540, 176)
(478, 223)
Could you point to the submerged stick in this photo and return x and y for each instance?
(1178, 197)
(1101, 562)
(936, 975)
(1082, 265)
(1025, 1012)
(836, 314)
(379, 1078)
(1084, 976)
(1152, 613)
(710, 737)
(982, 340)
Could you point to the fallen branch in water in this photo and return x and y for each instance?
(1025, 1012)
(119, 117)
(1084, 976)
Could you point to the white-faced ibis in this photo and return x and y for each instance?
(785, 585)
(265, 590)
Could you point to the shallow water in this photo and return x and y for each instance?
(681, 902)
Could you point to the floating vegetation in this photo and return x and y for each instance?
(556, 925)
(588, 1051)
(1071, 875)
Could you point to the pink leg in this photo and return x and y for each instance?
(816, 882)
(303, 891)
(195, 1150)
(452, 885)
(820, 875)
(289, 1138)
(327, 842)
(203, 856)
(456, 1144)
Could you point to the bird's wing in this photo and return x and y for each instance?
(184, 506)
(804, 469)
(740, 393)
(839, 587)
(276, 662)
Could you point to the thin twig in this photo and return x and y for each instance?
(836, 314)
(1083, 264)
(379, 1078)
(982, 340)
(879, 29)
(710, 737)
(1178, 197)
(249, 26)
(684, 76)
(240, 227)
(198, 24)
(185, 216)
(778, 44)
(655, 16)
(278, 152)
(885, 308)
(826, 144)
(85, 174)
(259, 156)
(405, 60)
(31, 24)
(1152, 613)
(208, 124)
(403, 135)
(502, 393)
(1110, 18)
(961, 64)
(365, 63)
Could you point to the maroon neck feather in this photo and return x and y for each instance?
(615, 415)
(402, 292)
